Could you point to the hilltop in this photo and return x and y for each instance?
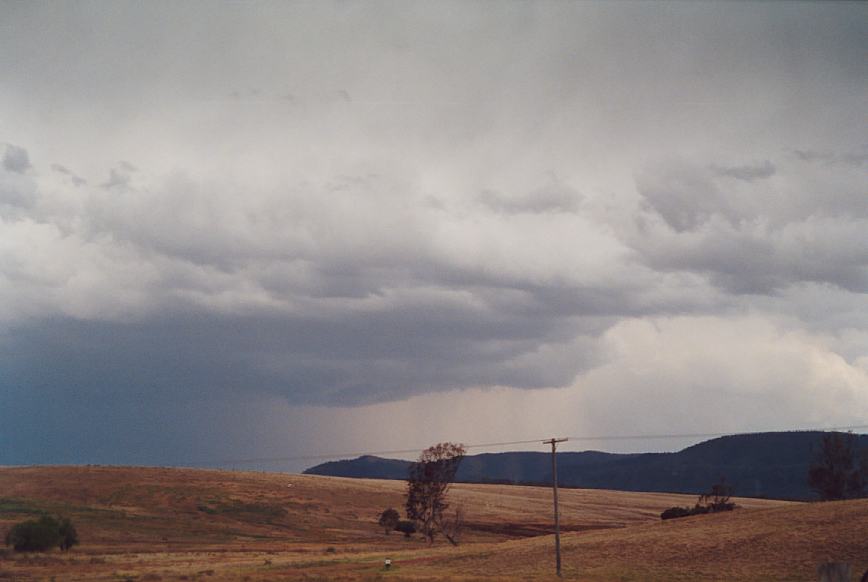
(772, 464)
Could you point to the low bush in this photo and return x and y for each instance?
(676, 512)
(68, 535)
(39, 535)
(406, 527)
(712, 502)
(389, 520)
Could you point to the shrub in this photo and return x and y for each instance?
(34, 535)
(714, 501)
(389, 520)
(406, 527)
(68, 535)
(675, 512)
(38, 535)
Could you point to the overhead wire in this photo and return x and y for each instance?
(317, 457)
(710, 434)
(414, 450)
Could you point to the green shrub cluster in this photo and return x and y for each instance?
(38, 535)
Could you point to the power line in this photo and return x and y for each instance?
(710, 434)
(319, 457)
(325, 456)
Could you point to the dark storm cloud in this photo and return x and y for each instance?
(352, 360)
(451, 197)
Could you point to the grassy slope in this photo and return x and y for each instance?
(783, 543)
(168, 523)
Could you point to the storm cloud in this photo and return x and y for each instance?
(274, 221)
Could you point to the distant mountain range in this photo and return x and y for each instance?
(771, 464)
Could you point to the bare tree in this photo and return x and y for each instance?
(836, 472)
(718, 499)
(427, 485)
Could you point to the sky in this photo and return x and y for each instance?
(271, 230)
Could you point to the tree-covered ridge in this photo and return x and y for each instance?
(771, 464)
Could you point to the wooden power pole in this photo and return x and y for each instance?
(553, 442)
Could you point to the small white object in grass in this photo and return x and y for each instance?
(289, 484)
(387, 563)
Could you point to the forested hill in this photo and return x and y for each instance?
(772, 464)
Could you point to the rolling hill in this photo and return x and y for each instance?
(773, 465)
(183, 524)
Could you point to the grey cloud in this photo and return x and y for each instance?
(18, 194)
(747, 173)
(747, 263)
(75, 179)
(812, 155)
(293, 302)
(16, 201)
(753, 238)
(119, 177)
(292, 298)
(469, 219)
(321, 315)
(554, 197)
(685, 196)
(61, 169)
(16, 159)
(260, 96)
(852, 158)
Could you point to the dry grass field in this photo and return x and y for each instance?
(183, 524)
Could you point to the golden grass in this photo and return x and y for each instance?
(171, 524)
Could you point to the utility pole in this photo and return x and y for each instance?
(553, 442)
